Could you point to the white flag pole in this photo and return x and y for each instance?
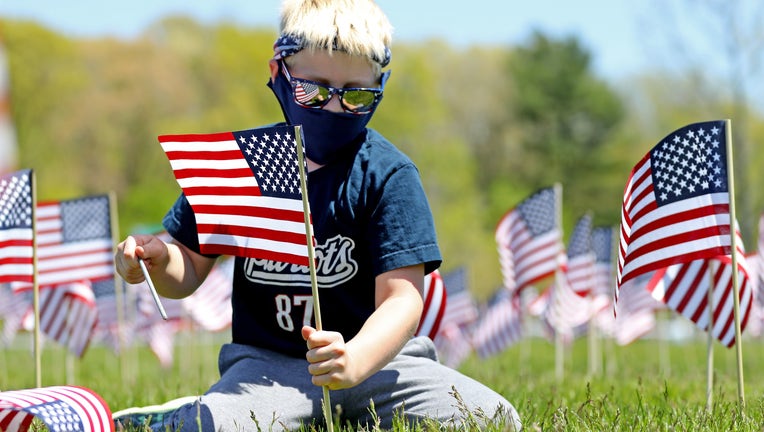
(118, 284)
(733, 246)
(153, 290)
(311, 261)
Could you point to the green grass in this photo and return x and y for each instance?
(645, 386)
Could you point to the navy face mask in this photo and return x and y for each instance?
(326, 133)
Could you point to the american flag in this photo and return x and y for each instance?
(581, 258)
(461, 309)
(500, 324)
(756, 266)
(160, 335)
(244, 188)
(13, 308)
(529, 241)
(74, 242)
(453, 341)
(602, 245)
(305, 91)
(676, 203)
(636, 309)
(68, 315)
(60, 408)
(435, 304)
(210, 305)
(453, 345)
(16, 228)
(108, 326)
(684, 288)
(566, 310)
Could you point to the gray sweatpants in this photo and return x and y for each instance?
(278, 391)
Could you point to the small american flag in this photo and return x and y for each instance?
(108, 330)
(244, 188)
(529, 241)
(499, 326)
(74, 242)
(68, 315)
(435, 303)
(14, 307)
(453, 340)
(684, 288)
(602, 245)
(566, 310)
(61, 408)
(16, 228)
(636, 309)
(676, 203)
(461, 309)
(756, 266)
(581, 258)
(210, 305)
(453, 344)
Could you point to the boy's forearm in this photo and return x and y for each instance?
(384, 334)
(179, 277)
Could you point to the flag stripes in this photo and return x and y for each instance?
(684, 288)
(434, 308)
(239, 209)
(499, 326)
(16, 227)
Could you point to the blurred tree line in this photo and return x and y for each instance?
(487, 126)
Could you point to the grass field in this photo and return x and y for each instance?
(645, 386)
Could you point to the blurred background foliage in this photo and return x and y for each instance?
(487, 126)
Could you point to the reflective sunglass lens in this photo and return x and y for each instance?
(355, 100)
(310, 94)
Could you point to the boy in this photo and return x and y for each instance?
(375, 242)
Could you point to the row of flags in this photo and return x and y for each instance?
(678, 243)
(245, 190)
(529, 242)
(674, 250)
(74, 270)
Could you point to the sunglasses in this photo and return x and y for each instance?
(311, 94)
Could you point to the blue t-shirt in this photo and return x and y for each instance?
(370, 215)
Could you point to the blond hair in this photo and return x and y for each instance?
(357, 27)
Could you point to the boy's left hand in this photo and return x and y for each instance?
(330, 362)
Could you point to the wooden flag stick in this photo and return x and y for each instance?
(327, 406)
(35, 286)
(710, 347)
(118, 284)
(152, 289)
(733, 246)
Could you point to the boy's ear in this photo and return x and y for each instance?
(274, 66)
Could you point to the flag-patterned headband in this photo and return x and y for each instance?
(287, 45)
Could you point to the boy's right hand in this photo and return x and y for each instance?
(150, 248)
